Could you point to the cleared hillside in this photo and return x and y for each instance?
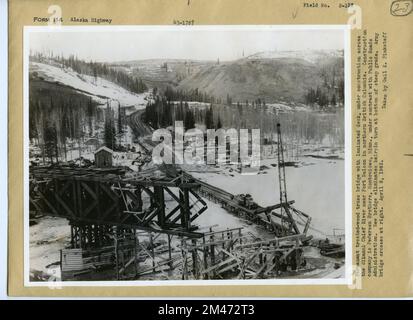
(98, 88)
(280, 79)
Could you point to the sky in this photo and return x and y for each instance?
(224, 43)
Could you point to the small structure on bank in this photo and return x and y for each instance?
(104, 157)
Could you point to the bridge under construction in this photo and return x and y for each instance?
(142, 223)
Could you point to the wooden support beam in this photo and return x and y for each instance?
(217, 266)
(184, 199)
(159, 195)
(273, 207)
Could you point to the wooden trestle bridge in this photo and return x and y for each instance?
(110, 209)
(94, 198)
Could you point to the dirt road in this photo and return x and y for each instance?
(141, 131)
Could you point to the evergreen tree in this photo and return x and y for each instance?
(333, 100)
(219, 124)
(341, 91)
(109, 129)
(209, 118)
(90, 114)
(189, 121)
(120, 124)
(50, 141)
(110, 134)
(229, 100)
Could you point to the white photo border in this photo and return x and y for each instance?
(347, 280)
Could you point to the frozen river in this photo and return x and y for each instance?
(317, 188)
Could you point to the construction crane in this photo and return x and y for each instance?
(288, 222)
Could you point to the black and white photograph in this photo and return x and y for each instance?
(187, 154)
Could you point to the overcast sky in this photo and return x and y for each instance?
(183, 43)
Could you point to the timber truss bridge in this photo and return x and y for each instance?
(142, 223)
(95, 197)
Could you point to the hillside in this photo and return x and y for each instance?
(312, 56)
(273, 78)
(67, 108)
(99, 89)
(161, 73)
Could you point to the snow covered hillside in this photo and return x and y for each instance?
(99, 89)
(312, 56)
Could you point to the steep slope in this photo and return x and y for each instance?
(273, 77)
(99, 89)
(311, 56)
(161, 73)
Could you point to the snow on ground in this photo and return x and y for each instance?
(287, 108)
(219, 219)
(317, 188)
(51, 235)
(47, 238)
(100, 89)
(311, 56)
(194, 104)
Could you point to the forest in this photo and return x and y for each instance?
(300, 126)
(94, 69)
(62, 118)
